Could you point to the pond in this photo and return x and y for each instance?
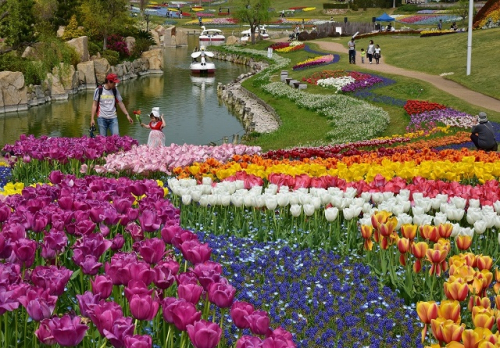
(192, 111)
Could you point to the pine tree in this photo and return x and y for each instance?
(72, 30)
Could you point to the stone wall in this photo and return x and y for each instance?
(66, 80)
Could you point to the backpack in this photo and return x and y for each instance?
(101, 88)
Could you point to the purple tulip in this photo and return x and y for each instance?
(271, 342)
(38, 303)
(51, 278)
(25, 250)
(90, 266)
(283, 335)
(164, 276)
(93, 244)
(56, 240)
(65, 202)
(104, 314)
(239, 310)
(152, 250)
(135, 231)
(119, 268)
(221, 294)
(10, 273)
(122, 328)
(138, 341)
(183, 236)
(249, 342)
(190, 292)
(118, 242)
(4, 212)
(136, 287)
(8, 301)
(56, 177)
(259, 322)
(84, 228)
(204, 334)
(67, 331)
(149, 220)
(169, 232)
(96, 214)
(5, 248)
(142, 271)
(44, 333)
(187, 278)
(86, 302)
(168, 304)
(195, 252)
(179, 312)
(102, 285)
(208, 272)
(122, 205)
(143, 307)
(37, 222)
(111, 217)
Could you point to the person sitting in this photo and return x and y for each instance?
(483, 134)
(389, 27)
(454, 26)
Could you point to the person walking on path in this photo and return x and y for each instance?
(440, 24)
(156, 136)
(377, 54)
(483, 134)
(352, 51)
(370, 51)
(104, 106)
(363, 55)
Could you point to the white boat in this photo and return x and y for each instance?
(247, 35)
(199, 64)
(211, 37)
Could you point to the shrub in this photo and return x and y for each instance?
(111, 56)
(337, 6)
(117, 43)
(72, 30)
(141, 45)
(94, 48)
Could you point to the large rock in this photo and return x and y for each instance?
(155, 60)
(155, 36)
(169, 37)
(102, 68)
(181, 38)
(13, 91)
(29, 52)
(231, 40)
(86, 74)
(60, 31)
(56, 88)
(160, 29)
(68, 77)
(81, 45)
(130, 41)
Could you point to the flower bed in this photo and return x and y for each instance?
(213, 21)
(313, 62)
(292, 46)
(450, 117)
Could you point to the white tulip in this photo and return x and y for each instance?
(497, 221)
(259, 201)
(204, 200)
(358, 201)
(440, 218)
(467, 231)
(435, 203)
(387, 195)
(459, 202)
(196, 195)
(418, 195)
(187, 182)
(212, 199)
(417, 210)
(186, 199)
(271, 202)
(206, 180)
(474, 203)
(365, 221)
(249, 201)
(422, 219)
(172, 182)
(455, 214)
(331, 214)
(442, 197)
(351, 212)
(350, 192)
(473, 214)
(406, 206)
(304, 198)
(405, 193)
(295, 210)
(444, 207)
(256, 190)
(335, 191)
(398, 209)
(284, 189)
(489, 218)
(302, 190)
(377, 197)
(480, 226)
(366, 196)
(336, 201)
(457, 230)
(496, 205)
(225, 200)
(239, 184)
(488, 209)
(316, 202)
(231, 187)
(405, 219)
(237, 200)
(294, 198)
(206, 189)
(346, 201)
(425, 203)
(367, 208)
(325, 198)
(283, 199)
(309, 209)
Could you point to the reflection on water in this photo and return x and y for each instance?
(189, 103)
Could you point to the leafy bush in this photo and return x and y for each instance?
(117, 43)
(72, 31)
(32, 74)
(144, 34)
(141, 45)
(113, 57)
(337, 6)
(94, 48)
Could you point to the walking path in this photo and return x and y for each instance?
(474, 98)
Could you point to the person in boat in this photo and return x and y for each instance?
(157, 123)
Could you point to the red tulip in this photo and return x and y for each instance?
(204, 334)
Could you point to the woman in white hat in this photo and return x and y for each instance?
(156, 136)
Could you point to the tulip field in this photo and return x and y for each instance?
(365, 242)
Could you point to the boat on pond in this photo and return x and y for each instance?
(200, 65)
(246, 35)
(211, 37)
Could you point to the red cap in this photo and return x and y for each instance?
(112, 78)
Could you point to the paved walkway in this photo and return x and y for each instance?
(474, 98)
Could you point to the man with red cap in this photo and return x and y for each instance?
(105, 99)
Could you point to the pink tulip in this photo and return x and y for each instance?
(189, 292)
(118, 242)
(180, 312)
(259, 322)
(44, 333)
(249, 342)
(142, 271)
(271, 342)
(195, 252)
(143, 307)
(187, 278)
(183, 236)
(38, 303)
(149, 220)
(221, 294)
(136, 287)
(164, 276)
(239, 311)
(208, 272)
(102, 285)
(283, 335)
(8, 301)
(138, 341)
(204, 334)
(152, 250)
(67, 331)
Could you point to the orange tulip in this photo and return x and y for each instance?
(465, 272)
(380, 217)
(470, 259)
(445, 230)
(476, 301)
(484, 262)
(417, 266)
(456, 290)
(429, 232)
(419, 250)
(487, 278)
(366, 231)
(455, 345)
(427, 311)
(446, 330)
(403, 245)
(409, 231)
(368, 244)
(486, 344)
(387, 228)
(483, 317)
(463, 242)
(471, 338)
(436, 257)
(450, 309)
(436, 329)
(476, 287)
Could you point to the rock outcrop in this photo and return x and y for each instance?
(155, 60)
(81, 45)
(102, 68)
(86, 75)
(13, 92)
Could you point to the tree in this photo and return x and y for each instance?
(105, 17)
(65, 10)
(71, 31)
(143, 4)
(253, 12)
(461, 9)
(17, 23)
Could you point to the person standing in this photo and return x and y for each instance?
(483, 134)
(363, 54)
(104, 106)
(157, 123)
(352, 51)
(440, 24)
(377, 54)
(370, 51)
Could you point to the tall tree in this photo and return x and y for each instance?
(253, 12)
(65, 10)
(17, 23)
(105, 17)
(143, 4)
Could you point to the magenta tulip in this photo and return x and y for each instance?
(259, 322)
(118, 242)
(38, 303)
(56, 240)
(25, 250)
(44, 333)
(142, 271)
(135, 231)
(122, 328)
(86, 302)
(204, 334)
(143, 307)
(249, 342)
(104, 314)
(183, 236)
(119, 268)
(169, 232)
(149, 220)
(5, 247)
(164, 276)
(195, 252)
(221, 294)
(152, 250)
(168, 304)
(102, 285)
(10, 273)
(67, 331)
(271, 342)
(136, 287)
(8, 301)
(208, 272)
(90, 266)
(179, 312)
(239, 310)
(187, 278)
(4, 212)
(138, 341)
(56, 177)
(190, 292)
(51, 278)
(283, 335)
